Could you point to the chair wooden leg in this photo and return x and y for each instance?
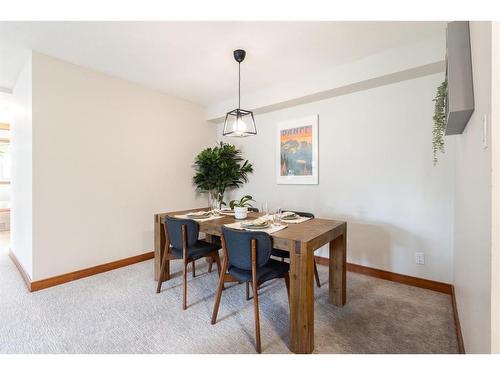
(194, 270)
(219, 291)
(287, 283)
(257, 320)
(316, 275)
(184, 286)
(162, 271)
(210, 262)
(185, 262)
(255, 285)
(247, 285)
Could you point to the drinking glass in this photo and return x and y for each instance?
(277, 217)
(264, 209)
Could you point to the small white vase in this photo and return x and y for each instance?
(240, 212)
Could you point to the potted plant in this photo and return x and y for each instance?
(240, 207)
(220, 168)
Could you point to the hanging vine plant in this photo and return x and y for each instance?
(439, 121)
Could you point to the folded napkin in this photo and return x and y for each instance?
(255, 223)
(260, 221)
(199, 213)
(287, 214)
(269, 229)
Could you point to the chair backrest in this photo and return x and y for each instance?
(239, 247)
(303, 214)
(174, 228)
(253, 209)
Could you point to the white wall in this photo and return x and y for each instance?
(21, 149)
(107, 155)
(495, 149)
(375, 171)
(472, 258)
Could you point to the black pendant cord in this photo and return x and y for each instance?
(239, 85)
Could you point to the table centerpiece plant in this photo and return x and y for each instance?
(240, 207)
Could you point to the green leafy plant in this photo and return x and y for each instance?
(243, 202)
(439, 118)
(220, 168)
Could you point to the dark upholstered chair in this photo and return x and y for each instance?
(216, 239)
(183, 244)
(285, 254)
(247, 258)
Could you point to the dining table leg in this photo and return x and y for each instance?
(301, 298)
(337, 269)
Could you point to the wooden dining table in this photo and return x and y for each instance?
(300, 240)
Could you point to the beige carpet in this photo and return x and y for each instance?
(119, 312)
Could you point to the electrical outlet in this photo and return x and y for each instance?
(419, 258)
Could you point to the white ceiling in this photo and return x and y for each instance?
(193, 60)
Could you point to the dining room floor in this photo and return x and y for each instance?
(119, 312)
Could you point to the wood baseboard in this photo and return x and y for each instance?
(437, 286)
(21, 270)
(460, 339)
(33, 286)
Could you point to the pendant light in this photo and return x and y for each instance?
(239, 122)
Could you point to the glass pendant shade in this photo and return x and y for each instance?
(239, 123)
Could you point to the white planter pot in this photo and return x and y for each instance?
(240, 212)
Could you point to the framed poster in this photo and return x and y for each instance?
(297, 151)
